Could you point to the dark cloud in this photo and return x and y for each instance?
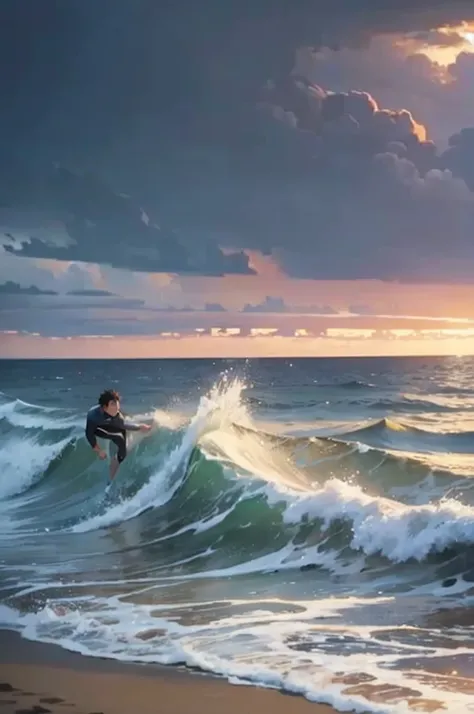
(91, 293)
(94, 70)
(208, 307)
(270, 304)
(44, 302)
(343, 120)
(278, 305)
(370, 196)
(459, 157)
(174, 106)
(109, 228)
(395, 70)
(12, 288)
(214, 307)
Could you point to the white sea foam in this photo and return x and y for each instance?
(291, 649)
(381, 525)
(22, 461)
(27, 416)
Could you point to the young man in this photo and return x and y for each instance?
(107, 422)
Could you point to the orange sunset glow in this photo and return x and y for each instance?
(204, 347)
(378, 317)
(457, 39)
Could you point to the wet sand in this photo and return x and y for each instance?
(38, 678)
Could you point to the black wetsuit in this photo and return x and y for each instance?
(114, 428)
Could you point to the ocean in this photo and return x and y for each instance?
(303, 524)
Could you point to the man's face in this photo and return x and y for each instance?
(112, 408)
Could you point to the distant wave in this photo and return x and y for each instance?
(393, 434)
(350, 384)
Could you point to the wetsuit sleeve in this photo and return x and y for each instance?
(90, 429)
(128, 425)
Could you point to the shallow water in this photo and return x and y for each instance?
(304, 524)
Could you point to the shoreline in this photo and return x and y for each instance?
(39, 678)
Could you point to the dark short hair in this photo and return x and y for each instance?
(107, 396)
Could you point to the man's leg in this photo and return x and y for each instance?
(120, 441)
(119, 438)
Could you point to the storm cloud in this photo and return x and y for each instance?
(209, 141)
(379, 199)
(106, 227)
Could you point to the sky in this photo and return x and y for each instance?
(236, 179)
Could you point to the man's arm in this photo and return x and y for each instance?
(128, 425)
(131, 426)
(91, 425)
(90, 429)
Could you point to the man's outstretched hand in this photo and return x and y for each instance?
(145, 427)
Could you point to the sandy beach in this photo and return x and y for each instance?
(41, 679)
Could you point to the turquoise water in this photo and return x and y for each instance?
(301, 524)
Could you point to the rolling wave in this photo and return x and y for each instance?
(395, 434)
(219, 469)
